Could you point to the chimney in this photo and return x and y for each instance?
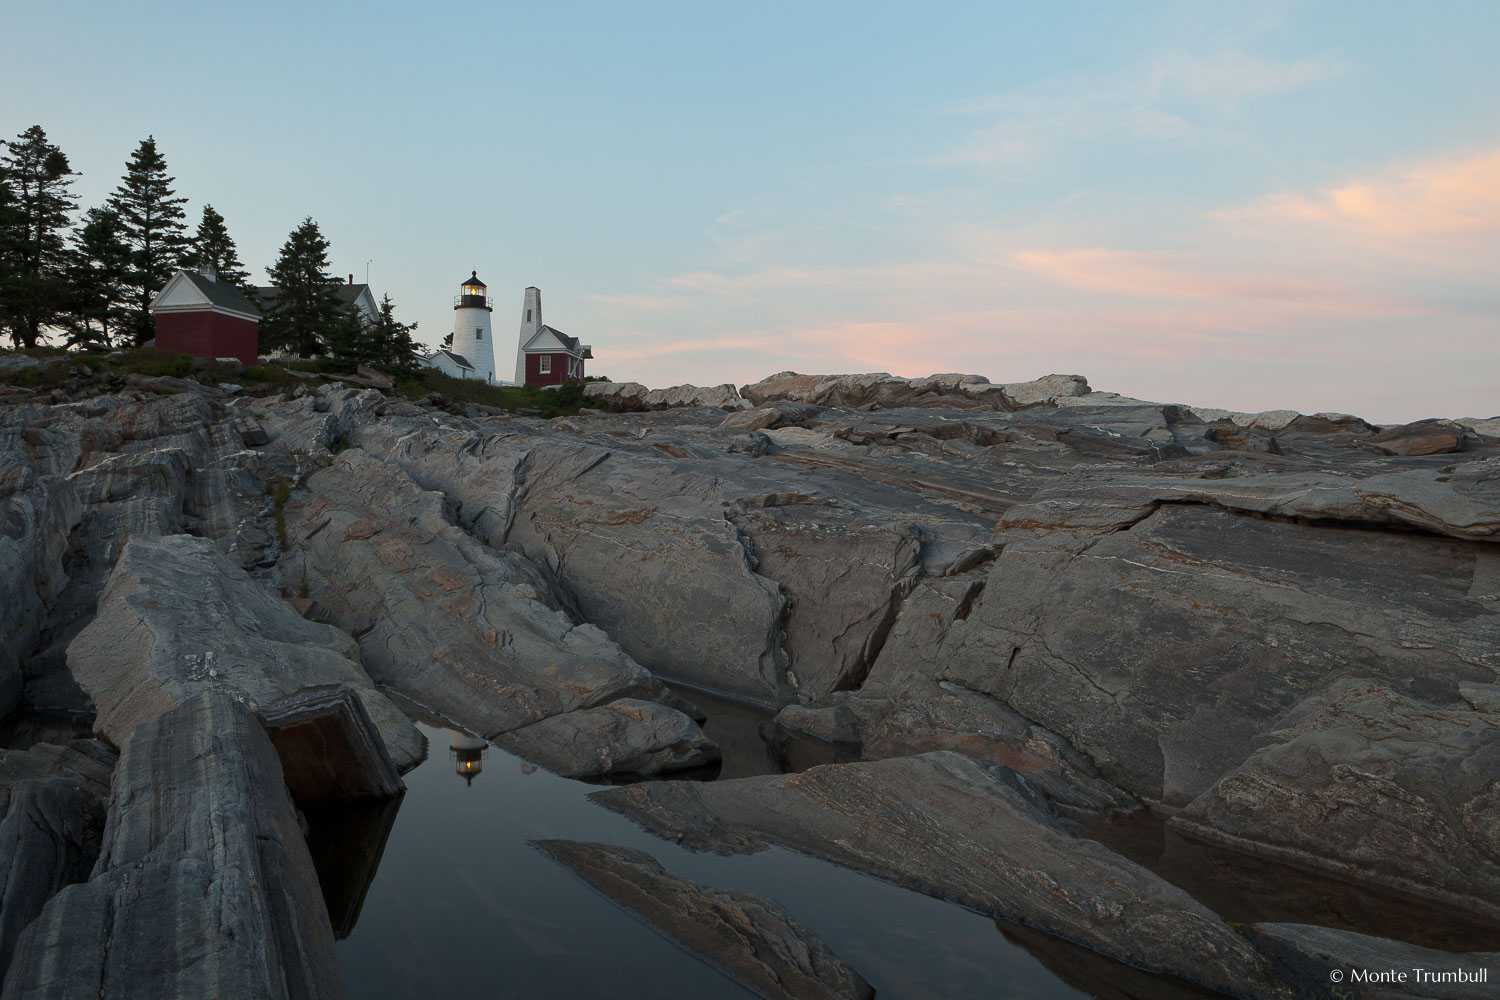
(351, 279)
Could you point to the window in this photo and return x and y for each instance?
(546, 368)
(528, 315)
(479, 333)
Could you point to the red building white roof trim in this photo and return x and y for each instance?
(189, 291)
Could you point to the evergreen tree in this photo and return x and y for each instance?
(348, 339)
(10, 231)
(36, 213)
(101, 262)
(448, 341)
(213, 246)
(307, 306)
(391, 341)
(151, 223)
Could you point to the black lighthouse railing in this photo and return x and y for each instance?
(473, 302)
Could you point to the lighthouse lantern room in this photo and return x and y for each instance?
(471, 328)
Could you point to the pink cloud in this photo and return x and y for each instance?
(1444, 197)
(1177, 276)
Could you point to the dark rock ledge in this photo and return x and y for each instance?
(204, 886)
(752, 940)
(973, 833)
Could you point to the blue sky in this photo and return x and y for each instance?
(1252, 206)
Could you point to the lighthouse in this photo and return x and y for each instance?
(471, 328)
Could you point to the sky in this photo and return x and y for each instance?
(1253, 206)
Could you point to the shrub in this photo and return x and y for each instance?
(565, 400)
(153, 361)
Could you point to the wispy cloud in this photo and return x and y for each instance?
(1452, 195)
(1182, 276)
(1158, 99)
(1233, 76)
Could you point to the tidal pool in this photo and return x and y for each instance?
(460, 903)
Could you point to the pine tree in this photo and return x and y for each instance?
(10, 232)
(212, 245)
(391, 341)
(36, 213)
(348, 338)
(307, 306)
(96, 275)
(151, 223)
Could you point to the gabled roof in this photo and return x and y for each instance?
(267, 295)
(569, 344)
(457, 359)
(216, 294)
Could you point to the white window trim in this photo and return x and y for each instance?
(546, 365)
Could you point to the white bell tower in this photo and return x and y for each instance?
(531, 324)
(471, 328)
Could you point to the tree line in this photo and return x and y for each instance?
(89, 277)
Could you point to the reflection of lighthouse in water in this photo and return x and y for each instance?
(467, 753)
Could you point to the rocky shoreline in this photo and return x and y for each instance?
(1025, 605)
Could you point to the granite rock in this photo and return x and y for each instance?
(179, 617)
(623, 739)
(977, 834)
(752, 940)
(202, 850)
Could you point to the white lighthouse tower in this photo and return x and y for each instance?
(471, 328)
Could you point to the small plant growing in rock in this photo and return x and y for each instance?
(281, 490)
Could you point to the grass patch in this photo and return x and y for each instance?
(43, 376)
(564, 401)
(280, 489)
(323, 365)
(153, 362)
(57, 368)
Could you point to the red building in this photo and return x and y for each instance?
(197, 315)
(553, 358)
(545, 355)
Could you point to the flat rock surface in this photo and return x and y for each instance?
(625, 738)
(973, 833)
(1162, 646)
(179, 617)
(1375, 785)
(753, 940)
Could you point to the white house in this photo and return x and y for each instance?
(359, 296)
(450, 364)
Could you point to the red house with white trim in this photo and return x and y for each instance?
(544, 355)
(198, 315)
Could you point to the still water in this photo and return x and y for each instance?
(458, 903)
